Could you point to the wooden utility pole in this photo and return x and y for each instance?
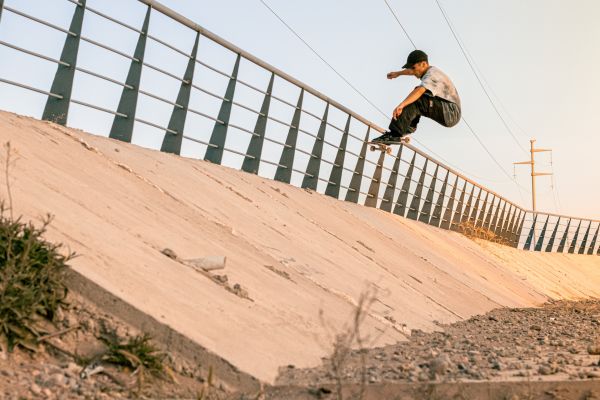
(533, 173)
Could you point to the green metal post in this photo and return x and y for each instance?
(371, 200)
(531, 233)
(511, 227)
(563, 241)
(488, 219)
(550, 244)
(458, 212)
(447, 220)
(122, 127)
(591, 249)
(519, 232)
(400, 207)
(254, 153)
(388, 196)
(540, 241)
(437, 212)
(286, 162)
(415, 204)
(57, 110)
(335, 178)
(354, 188)
(467, 210)
(473, 217)
(311, 179)
(481, 217)
(498, 228)
(574, 242)
(214, 153)
(505, 225)
(585, 239)
(425, 215)
(171, 142)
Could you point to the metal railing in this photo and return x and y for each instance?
(409, 183)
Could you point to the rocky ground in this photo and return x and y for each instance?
(517, 348)
(557, 342)
(69, 365)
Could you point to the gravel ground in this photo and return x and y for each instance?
(559, 341)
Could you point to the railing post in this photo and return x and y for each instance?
(172, 142)
(335, 178)
(504, 231)
(400, 207)
(481, 218)
(585, 239)
(286, 162)
(311, 179)
(540, 241)
(467, 211)
(373, 193)
(437, 212)
(425, 215)
(1, 8)
(488, 219)
(214, 153)
(550, 244)
(57, 110)
(415, 204)
(473, 217)
(563, 241)
(591, 249)
(498, 229)
(388, 197)
(519, 231)
(122, 127)
(574, 242)
(458, 212)
(447, 219)
(531, 233)
(354, 188)
(251, 162)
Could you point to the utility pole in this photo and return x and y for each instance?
(533, 173)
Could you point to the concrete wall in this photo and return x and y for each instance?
(296, 253)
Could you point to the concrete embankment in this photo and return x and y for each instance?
(293, 253)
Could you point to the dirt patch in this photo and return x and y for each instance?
(70, 366)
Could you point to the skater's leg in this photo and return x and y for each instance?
(407, 121)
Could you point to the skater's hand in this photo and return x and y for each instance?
(398, 111)
(393, 75)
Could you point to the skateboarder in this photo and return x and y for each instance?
(435, 98)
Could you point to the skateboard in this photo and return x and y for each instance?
(386, 146)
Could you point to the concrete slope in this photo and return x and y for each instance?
(297, 253)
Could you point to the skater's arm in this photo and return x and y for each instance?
(411, 98)
(396, 74)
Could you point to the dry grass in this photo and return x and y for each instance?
(470, 230)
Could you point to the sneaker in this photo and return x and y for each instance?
(386, 137)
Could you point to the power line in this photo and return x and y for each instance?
(477, 76)
(463, 118)
(400, 23)
(364, 97)
(321, 58)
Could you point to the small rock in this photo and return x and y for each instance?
(545, 370)
(35, 389)
(593, 374)
(594, 349)
(535, 328)
(440, 365)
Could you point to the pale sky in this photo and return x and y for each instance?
(538, 59)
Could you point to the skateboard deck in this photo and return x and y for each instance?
(386, 146)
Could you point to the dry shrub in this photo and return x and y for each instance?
(32, 285)
(470, 230)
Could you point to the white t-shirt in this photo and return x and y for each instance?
(440, 85)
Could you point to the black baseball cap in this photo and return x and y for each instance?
(415, 57)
